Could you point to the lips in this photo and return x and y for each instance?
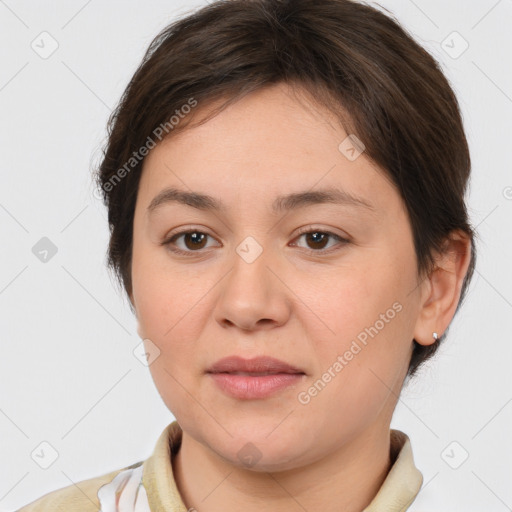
(257, 366)
(254, 379)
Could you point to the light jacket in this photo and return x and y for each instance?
(149, 485)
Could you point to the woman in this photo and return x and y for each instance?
(285, 187)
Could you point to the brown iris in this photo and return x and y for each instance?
(317, 237)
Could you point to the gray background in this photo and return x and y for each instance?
(68, 373)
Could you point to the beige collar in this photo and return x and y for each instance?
(398, 491)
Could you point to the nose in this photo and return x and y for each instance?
(253, 295)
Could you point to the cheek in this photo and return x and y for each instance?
(350, 299)
(165, 296)
(359, 371)
(368, 324)
(171, 312)
(172, 321)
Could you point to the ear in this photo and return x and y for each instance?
(441, 290)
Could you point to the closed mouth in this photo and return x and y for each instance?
(260, 374)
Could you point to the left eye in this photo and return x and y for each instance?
(319, 239)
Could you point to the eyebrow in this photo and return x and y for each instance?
(281, 203)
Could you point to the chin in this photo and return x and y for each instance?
(253, 458)
(255, 452)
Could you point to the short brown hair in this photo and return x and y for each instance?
(351, 57)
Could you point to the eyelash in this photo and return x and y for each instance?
(342, 241)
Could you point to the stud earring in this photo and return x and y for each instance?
(435, 336)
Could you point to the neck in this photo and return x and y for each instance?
(347, 479)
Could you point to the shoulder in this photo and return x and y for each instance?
(79, 497)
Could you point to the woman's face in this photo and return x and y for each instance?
(249, 283)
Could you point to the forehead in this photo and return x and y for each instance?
(268, 142)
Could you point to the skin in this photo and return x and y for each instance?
(302, 307)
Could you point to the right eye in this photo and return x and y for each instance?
(193, 240)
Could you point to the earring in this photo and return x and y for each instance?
(435, 336)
